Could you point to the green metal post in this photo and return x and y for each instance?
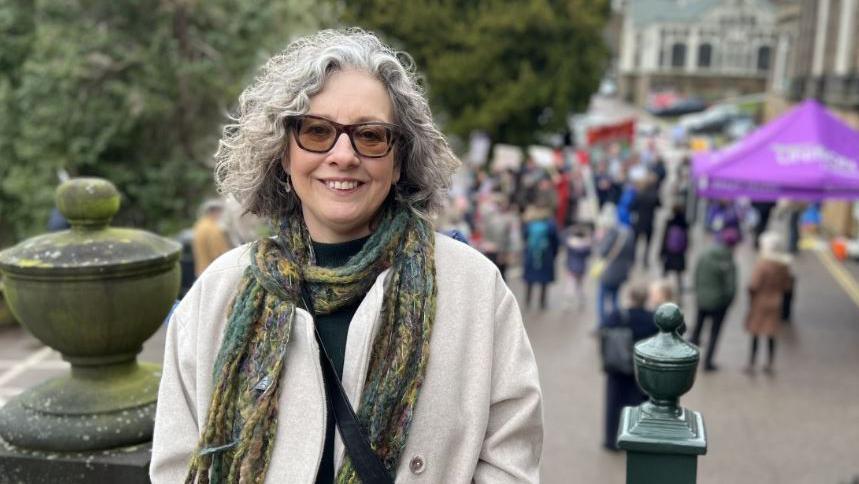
(663, 440)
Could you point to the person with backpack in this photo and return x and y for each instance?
(675, 244)
(623, 329)
(540, 236)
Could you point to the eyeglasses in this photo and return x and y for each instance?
(319, 135)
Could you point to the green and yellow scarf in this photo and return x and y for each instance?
(236, 443)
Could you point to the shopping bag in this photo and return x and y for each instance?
(597, 268)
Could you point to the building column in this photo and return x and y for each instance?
(692, 51)
(779, 79)
(844, 50)
(818, 57)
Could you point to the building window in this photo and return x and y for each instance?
(705, 54)
(764, 58)
(678, 55)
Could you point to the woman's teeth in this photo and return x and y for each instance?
(342, 185)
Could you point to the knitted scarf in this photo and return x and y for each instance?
(235, 445)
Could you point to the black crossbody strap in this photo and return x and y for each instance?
(366, 462)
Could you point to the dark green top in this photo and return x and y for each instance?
(715, 278)
(333, 329)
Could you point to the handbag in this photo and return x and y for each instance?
(599, 265)
(616, 347)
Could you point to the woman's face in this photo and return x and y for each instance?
(341, 191)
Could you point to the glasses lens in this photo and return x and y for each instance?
(316, 135)
(372, 139)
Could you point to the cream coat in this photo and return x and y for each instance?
(479, 414)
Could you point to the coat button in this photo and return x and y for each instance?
(417, 465)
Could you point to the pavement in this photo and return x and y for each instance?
(795, 426)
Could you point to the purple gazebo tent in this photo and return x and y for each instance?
(806, 154)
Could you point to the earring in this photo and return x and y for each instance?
(285, 183)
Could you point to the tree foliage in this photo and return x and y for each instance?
(131, 90)
(511, 68)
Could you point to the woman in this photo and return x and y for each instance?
(335, 142)
(615, 246)
(675, 244)
(771, 279)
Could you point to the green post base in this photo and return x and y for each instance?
(647, 468)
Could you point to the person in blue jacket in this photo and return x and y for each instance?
(540, 237)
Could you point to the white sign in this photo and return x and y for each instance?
(542, 155)
(478, 148)
(810, 154)
(506, 157)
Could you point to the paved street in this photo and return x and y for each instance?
(797, 426)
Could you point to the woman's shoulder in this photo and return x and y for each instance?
(218, 282)
(453, 257)
(233, 260)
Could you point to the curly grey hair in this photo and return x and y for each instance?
(248, 160)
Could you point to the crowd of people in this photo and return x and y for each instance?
(619, 210)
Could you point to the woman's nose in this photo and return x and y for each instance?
(342, 152)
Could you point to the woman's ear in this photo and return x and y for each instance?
(284, 159)
(398, 166)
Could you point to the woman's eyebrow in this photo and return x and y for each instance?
(370, 119)
(358, 120)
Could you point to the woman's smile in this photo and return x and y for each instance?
(342, 186)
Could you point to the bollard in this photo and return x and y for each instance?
(663, 440)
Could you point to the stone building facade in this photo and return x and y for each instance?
(706, 48)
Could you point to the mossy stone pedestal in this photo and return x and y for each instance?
(663, 440)
(95, 294)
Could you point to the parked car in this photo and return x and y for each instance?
(711, 121)
(683, 106)
(740, 127)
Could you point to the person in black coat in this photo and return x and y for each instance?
(621, 390)
(644, 209)
(675, 245)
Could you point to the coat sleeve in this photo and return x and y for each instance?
(730, 282)
(513, 443)
(176, 429)
(605, 244)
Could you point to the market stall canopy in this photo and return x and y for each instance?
(806, 154)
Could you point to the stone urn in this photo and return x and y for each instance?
(94, 293)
